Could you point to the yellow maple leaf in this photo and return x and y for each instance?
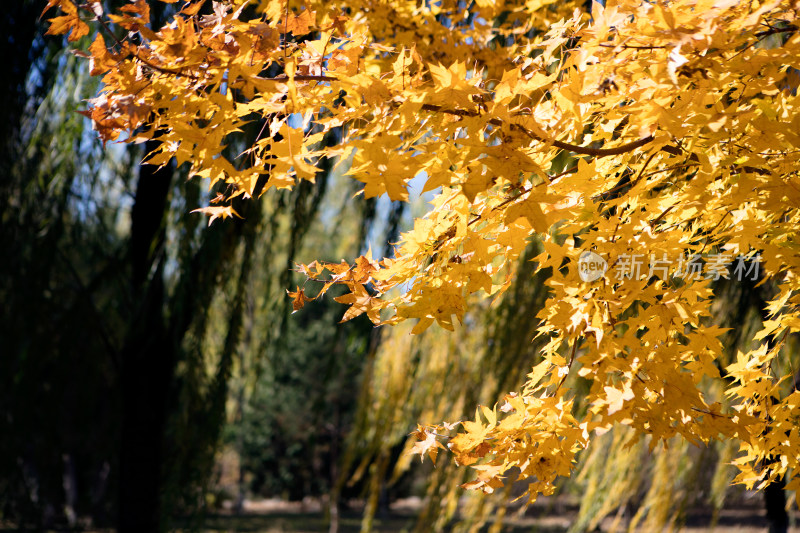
(214, 212)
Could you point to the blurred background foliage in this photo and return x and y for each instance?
(151, 367)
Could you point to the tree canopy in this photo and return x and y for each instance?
(651, 146)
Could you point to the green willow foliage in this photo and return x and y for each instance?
(128, 325)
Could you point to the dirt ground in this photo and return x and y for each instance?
(275, 516)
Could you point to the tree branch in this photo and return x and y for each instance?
(633, 46)
(584, 150)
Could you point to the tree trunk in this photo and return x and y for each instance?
(774, 493)
(148, 360)
(775, 503)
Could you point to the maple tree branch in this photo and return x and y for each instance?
(710, 413)
(766, 33)
(621, 186)
(165, 70)
(569, 365)
(673, 167)
(641, 171)
(102, 22)
(773, 31)
(122, 48)
(660, 217)
(584, 150)
(285, 31)
(523, 193)
(301, 78)
(728, 212)
(693, 162)
(457, 112)
(696, 409)
(633, 46)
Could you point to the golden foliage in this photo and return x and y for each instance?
(681, 115)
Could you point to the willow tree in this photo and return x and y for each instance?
(681, 116)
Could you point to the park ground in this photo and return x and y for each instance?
(546, 516)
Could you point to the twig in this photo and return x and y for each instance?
(632, 46)
(522, 193)
(584, 150)
(569, 365)
(596, 152)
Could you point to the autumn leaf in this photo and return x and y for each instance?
(50, 5)
(69, 23)
(426, 444)
(361, 302)
(299, 299)
(299, 24)
(617, 398)
(215, 212)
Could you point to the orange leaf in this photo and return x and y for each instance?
(50, 5)
(299, 299)
(300, 24)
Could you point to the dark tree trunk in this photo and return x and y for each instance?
(148, 360)
(18, 27)
(155, 339)
(775, 503)
(774, 493)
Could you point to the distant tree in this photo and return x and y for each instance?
(100, 416)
